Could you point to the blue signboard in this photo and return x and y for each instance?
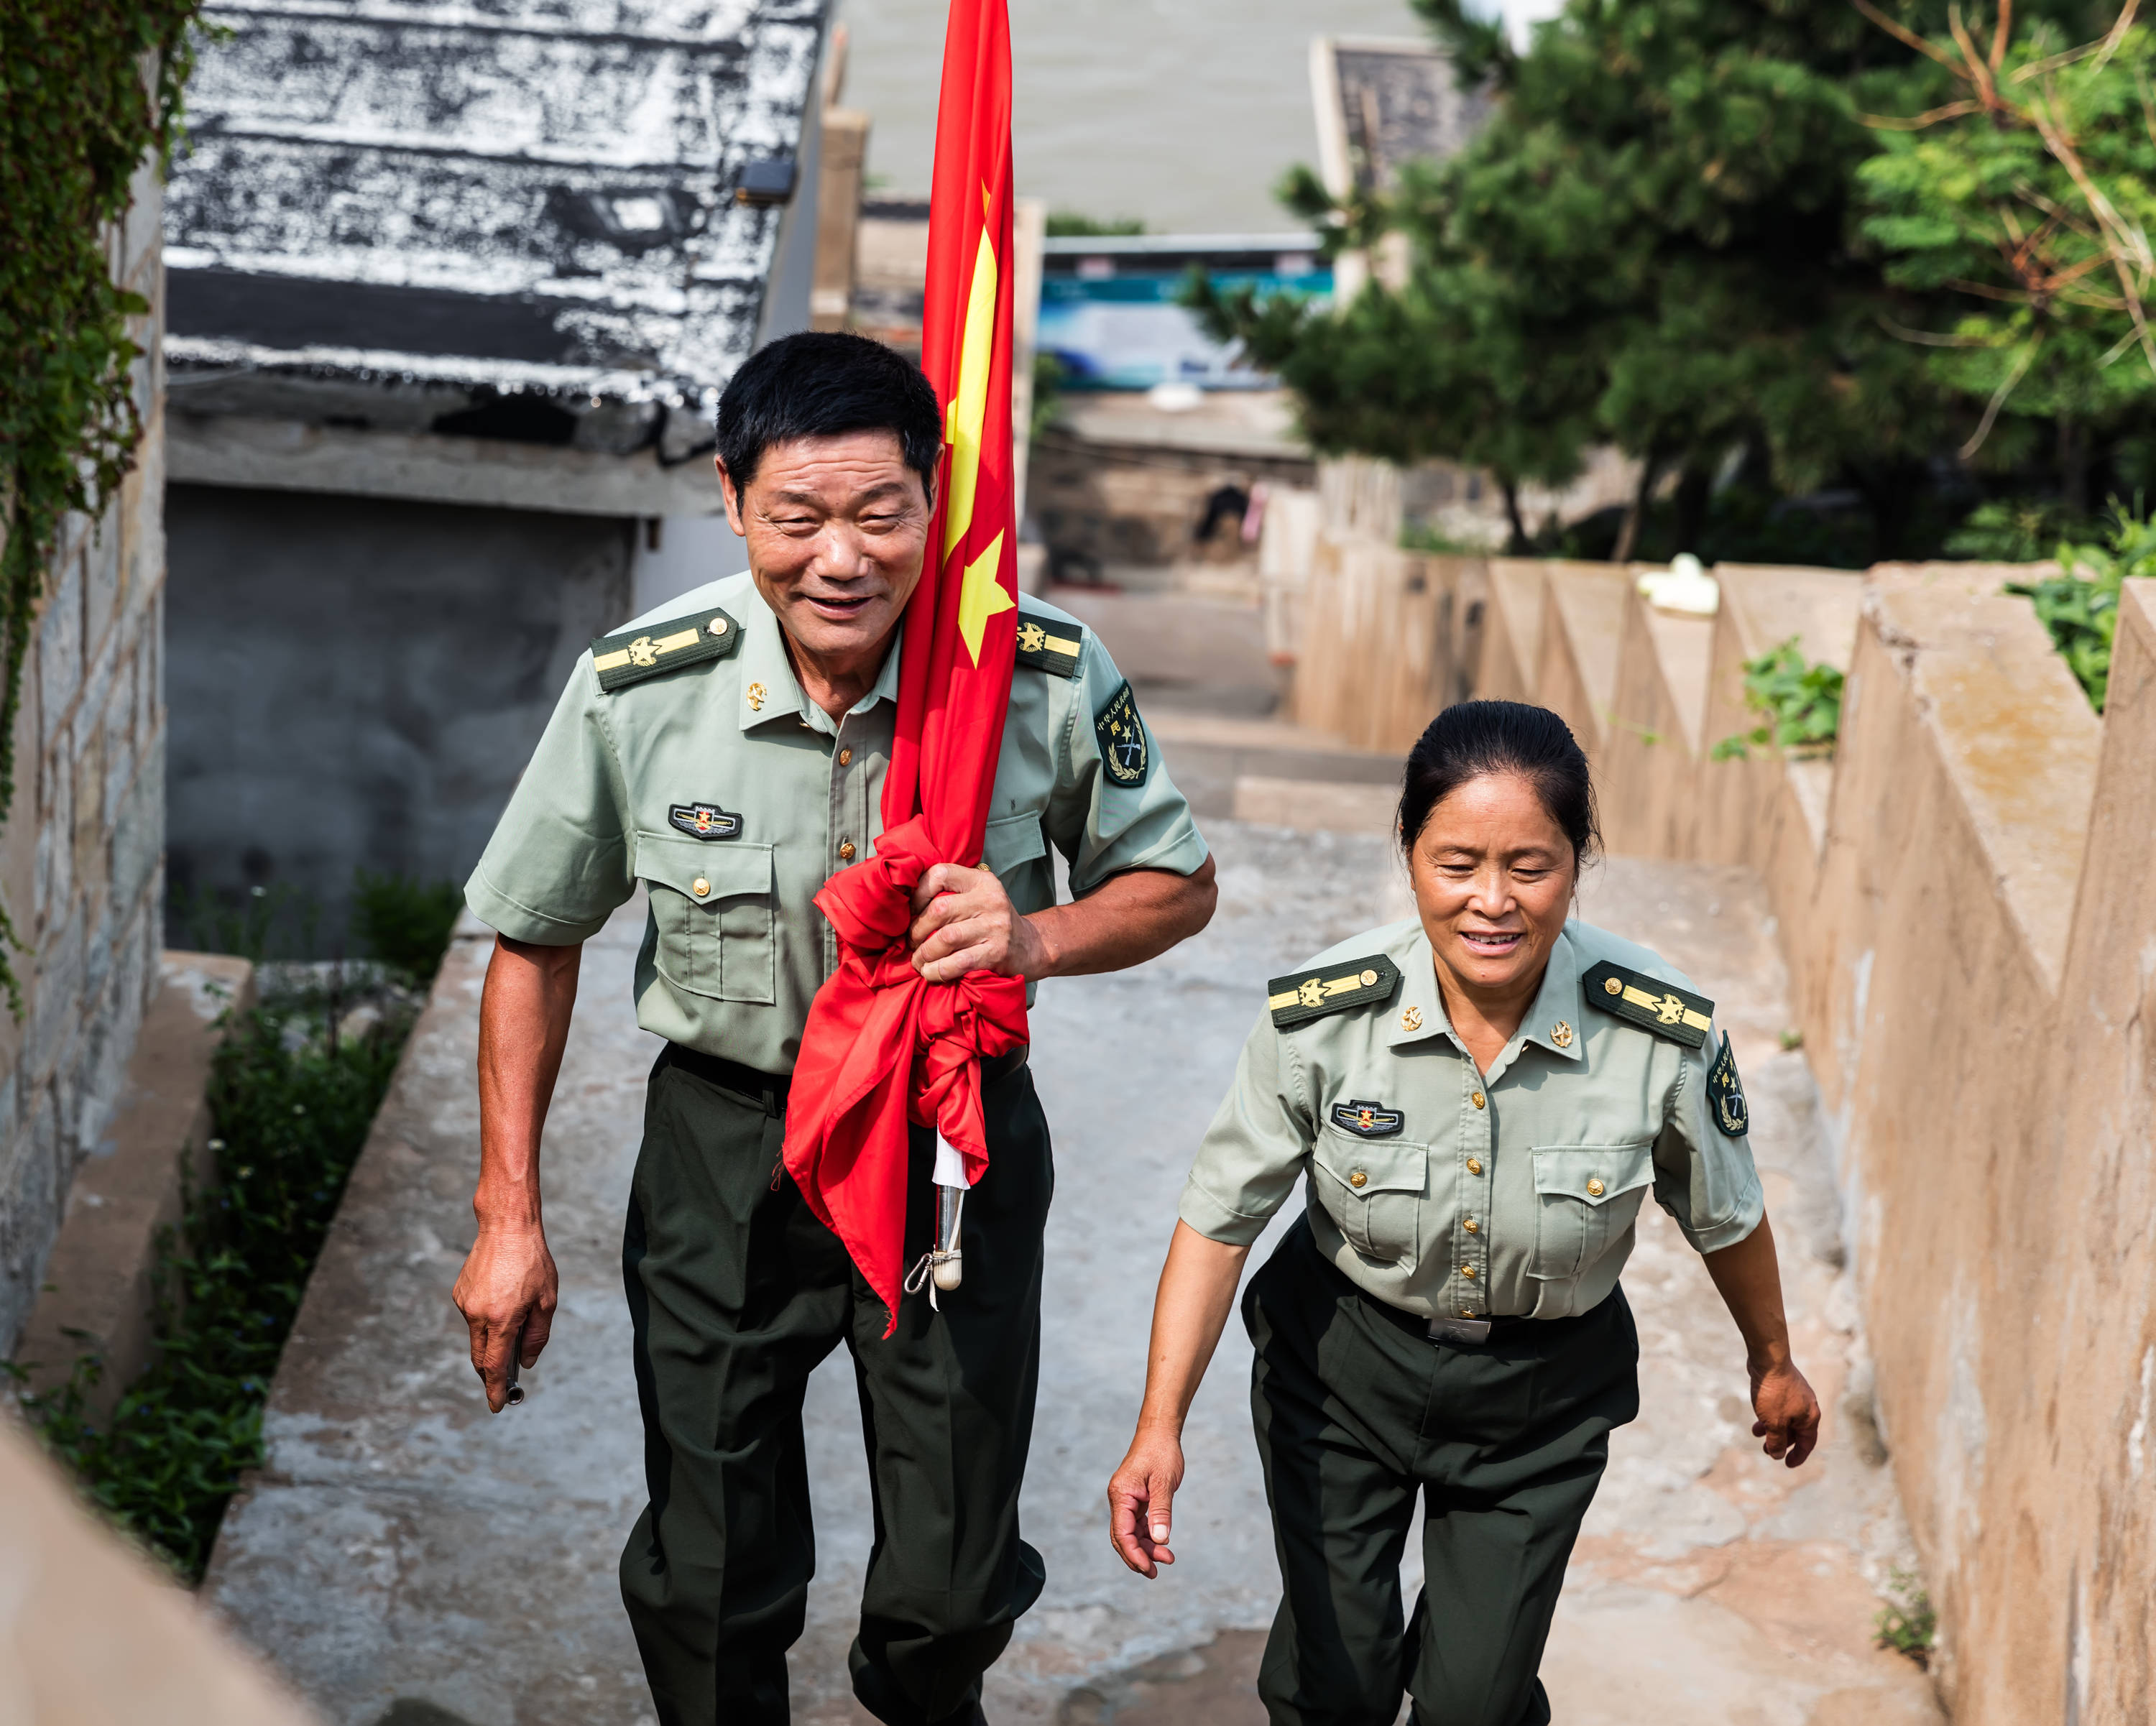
(1126, 330)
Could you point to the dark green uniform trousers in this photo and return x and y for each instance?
(737, 1291)
(1358, 1412)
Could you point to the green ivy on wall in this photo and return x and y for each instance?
(88, 87)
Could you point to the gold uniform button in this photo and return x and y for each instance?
(1358, 1179)
(1468, 1271)
(1476, 1099)
(1475, 1166)
(717, 626)
(1594, 1189)
(1613, 986)
(700, 887)
(845, 757)
(845, 851)
(1473, 1227)
(1369, 980)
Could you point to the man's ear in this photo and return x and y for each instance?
(731, 493)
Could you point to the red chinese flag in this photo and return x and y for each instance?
(882, 1048)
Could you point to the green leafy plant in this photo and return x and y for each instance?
(2021, 206)
(1906, 1624)
(290, 1108)
(405, 922)
(1075, 224)
(2079, 605)
(1048, 375)
(1801, 704)
(77, 119)
(1652, 242)
(2016, 530)
(277, 921)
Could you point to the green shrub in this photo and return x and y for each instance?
(289, 1112)
(1801, 702)
(405, 922)
(2015, 530)
(2079, 605)
(1906, 1624)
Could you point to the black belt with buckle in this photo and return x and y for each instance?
(770, 1088)
(1475, 1330)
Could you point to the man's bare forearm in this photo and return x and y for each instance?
(523, 1027)
(1127, 919)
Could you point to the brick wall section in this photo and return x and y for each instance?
(82, 853)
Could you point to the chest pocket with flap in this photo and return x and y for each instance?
(1375, 1189)
(1586, 1196)
(1012, 841)
(713, 906)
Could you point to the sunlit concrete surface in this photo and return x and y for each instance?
(405, 1547)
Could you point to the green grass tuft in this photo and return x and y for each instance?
(291, 1111)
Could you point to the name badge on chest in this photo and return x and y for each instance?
(705, 821)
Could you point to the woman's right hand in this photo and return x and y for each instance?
(1142, 1498)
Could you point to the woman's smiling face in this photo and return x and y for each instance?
(1493, 877)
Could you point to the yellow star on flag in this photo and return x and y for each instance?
(981, 595)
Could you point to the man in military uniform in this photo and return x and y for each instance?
(727, 754)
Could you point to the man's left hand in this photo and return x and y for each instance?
(964, 921)
(1788, 1413)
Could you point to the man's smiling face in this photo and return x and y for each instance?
(836, 530)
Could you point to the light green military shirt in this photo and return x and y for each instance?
(685, 756)
(1452, 1193)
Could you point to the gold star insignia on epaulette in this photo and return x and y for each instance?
(626, 659)
(1311, 994)
(1650, 1003)
(1048, 644)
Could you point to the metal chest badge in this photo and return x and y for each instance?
(1125, 751)
(1725, 1093)
(704, 820)
(1367, 1120)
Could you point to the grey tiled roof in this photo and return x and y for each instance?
(518, 196)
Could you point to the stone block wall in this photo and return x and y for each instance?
(82, 852)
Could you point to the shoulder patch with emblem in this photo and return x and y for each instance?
(1126, 751)
(1367, 1120)
(1048, 644)
(1348, 982)
(1661, 1007)
(704, 820)
(634, 655)
(1725, 1093)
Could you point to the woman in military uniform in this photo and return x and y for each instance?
(1478, 1100)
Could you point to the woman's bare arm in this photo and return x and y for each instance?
(1197, 1291)
(1749, 1277)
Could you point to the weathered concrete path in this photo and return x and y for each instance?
(405, 1554)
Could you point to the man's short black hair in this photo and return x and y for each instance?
(825, 383)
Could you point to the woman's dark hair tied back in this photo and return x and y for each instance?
(1473, 738)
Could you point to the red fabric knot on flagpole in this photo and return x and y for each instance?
(885, 1049)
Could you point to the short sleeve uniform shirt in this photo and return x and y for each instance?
(1451, 1193)
(732, 798)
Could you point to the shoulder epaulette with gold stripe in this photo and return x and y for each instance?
(1346, 982)
(1661, 1007)
(634, 655)
(1048, 644)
